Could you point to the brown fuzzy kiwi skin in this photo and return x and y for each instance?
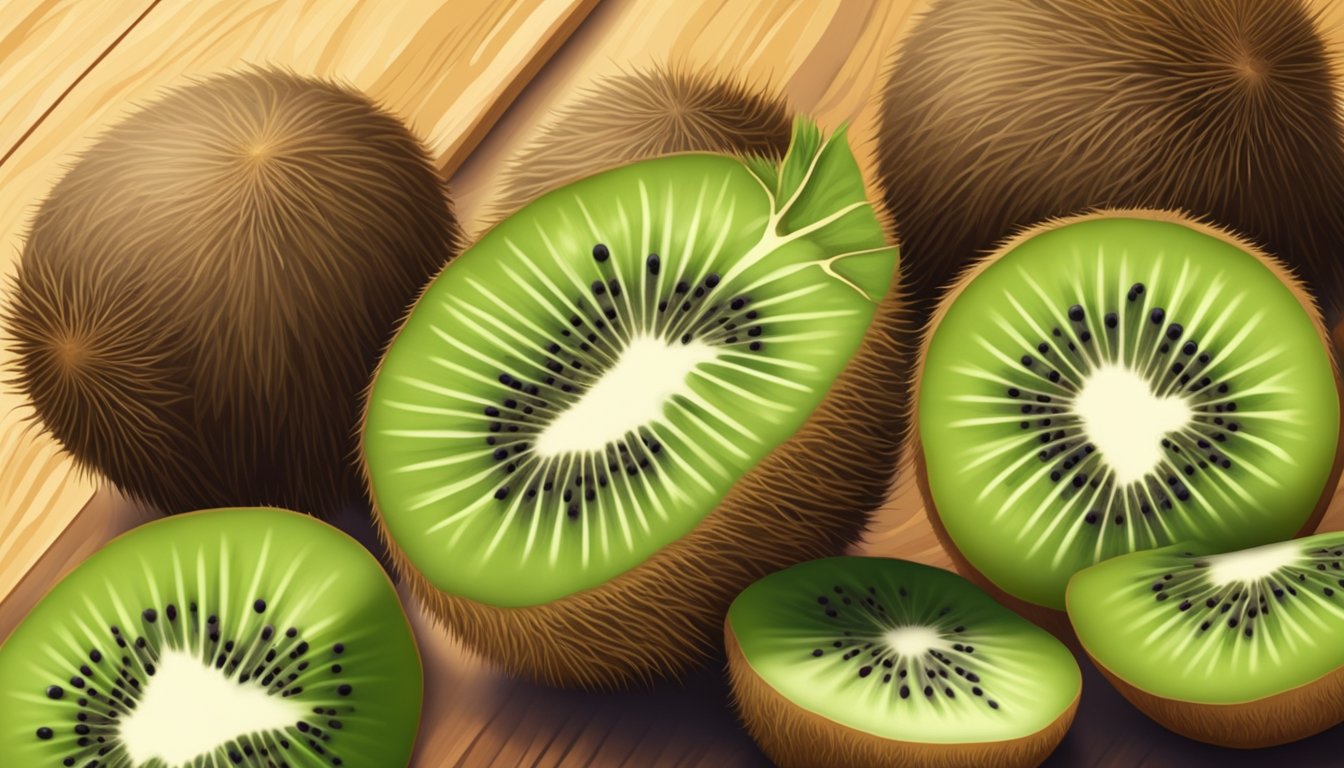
(642, 114)
(1055, 621)
(1279, 719)
(200, 300)
(1000, 113)
(811, 497)
(793, 737)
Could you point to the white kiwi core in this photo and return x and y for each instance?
(1251, 565)
(190, 708)
(632, 393)
(913, 641)
(1126, 420)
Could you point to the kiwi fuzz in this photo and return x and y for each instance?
(1289, 716)
(202, 297)
(642, 114)
(1227, 110)
(661, 618)
(1055, 620)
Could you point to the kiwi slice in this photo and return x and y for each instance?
(856, 661)
(1121, 381)
(253, 637)
(1240, 649)
(202, 298)
(632, 398)
(998, 114)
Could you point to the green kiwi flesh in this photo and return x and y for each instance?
(585, 386)
(1121, 381)
(1240, 649)
(254, 637)
(912, 665)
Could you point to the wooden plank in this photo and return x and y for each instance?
(48, 46)
(449, 67)
(828, 66)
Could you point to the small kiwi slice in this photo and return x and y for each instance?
(1121, 381)
(998, 114)
(641, 114)
(856, 661)
(1240, 649)
(631, 399)
(202, 298)
(255, 637)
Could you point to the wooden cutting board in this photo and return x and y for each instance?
(478, 78)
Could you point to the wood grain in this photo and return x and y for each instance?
(449, 67)
(826, 57)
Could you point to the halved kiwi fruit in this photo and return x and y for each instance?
(1121, 381)
(254, 637)
(1240, 649)
(853, 661)
(202, 298)
(631, 399)
(1000, 113)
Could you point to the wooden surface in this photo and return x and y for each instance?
(449, 67)
(452, 68)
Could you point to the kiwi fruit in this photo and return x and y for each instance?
(202, 297)
(1120, 381)
(1240, 649)
(631, 399)
(998, 114)
(254, 637)
(855, 661)
(642, 114)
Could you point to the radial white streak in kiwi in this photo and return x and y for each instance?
(460, 515)
(516, 319)
(711, 257)
(1056, 315)
(729, 355)
(1022, 489)
(704, 457)
(1068, 372)
(527, 344)
(692, 471)
(189, 708)
(629, 395)
(1127, 421)
(725, 360)
(551, 304)
(493, 362)
(1073, 513)
(745, 394)
(651, 489)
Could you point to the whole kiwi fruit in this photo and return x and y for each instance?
(642, 114)
(545, 495)
(201, 299)
(999, 114)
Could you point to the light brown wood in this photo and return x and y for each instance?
(449, 67)
(46, 47)
(827, 57)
